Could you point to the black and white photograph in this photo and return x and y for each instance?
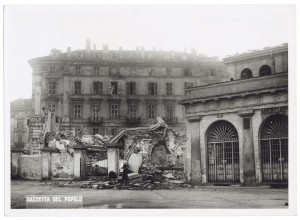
(150, 107)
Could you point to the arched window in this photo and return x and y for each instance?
(265, 70)
(246, 73)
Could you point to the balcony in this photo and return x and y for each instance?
(170, 120)
(133, 120)
(95, 120)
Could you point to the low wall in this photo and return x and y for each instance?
(50, 164)
(30, 167)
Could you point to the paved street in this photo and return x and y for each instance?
(202, 197)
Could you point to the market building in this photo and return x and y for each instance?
(238, 130)
(107, 90)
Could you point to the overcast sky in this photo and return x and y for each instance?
(214, 30)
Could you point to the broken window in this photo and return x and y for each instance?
(152, 88)
(169, 88)
(97, 87)
(77, 111)
(95, 111)
(52, 69)
(151, 110)
(52, 87)
(169, 111)
(131, 88)
(77, 70)
(96, 70)
(114, 88)
(132, 110)
(77, 87)
(114, 111)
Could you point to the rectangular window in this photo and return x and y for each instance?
(77, 111)
(169, 111)
(52, 69)
(114, 88)
(95, 131)
(168, 71)
(187, 85)
(97, 87)
(151, 111)
(96, 70)
(151, 72)
(152, 88)
(51, 108)
(95, 111)
(246, 123)
(131, 88)
(169, 88)
(186, 72)
(114, 111)
(52, 87)
(77, 87)
(20, 124)
(132, 110)
(77, 70)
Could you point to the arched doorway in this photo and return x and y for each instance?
(246, 73)
(223, 152)
(274, 149)
(265, 70)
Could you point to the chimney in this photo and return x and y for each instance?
(94, 47)
(88, 44)
(105, 47)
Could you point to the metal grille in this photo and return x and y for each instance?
(223, 153)
(274, 149)
(96, 163)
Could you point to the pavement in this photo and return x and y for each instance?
(201, 197)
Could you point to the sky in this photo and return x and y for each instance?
(214, 30)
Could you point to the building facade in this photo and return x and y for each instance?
(108, 90)
(238, 130)
(20, 112)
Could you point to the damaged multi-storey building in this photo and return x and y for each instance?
(109, 90)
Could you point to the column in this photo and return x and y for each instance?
(113, 157)
(194, 135)
(248, 148)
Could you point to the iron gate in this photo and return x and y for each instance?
(223, 153)
(96, 162)
(274, 149)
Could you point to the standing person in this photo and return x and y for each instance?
(125, 179)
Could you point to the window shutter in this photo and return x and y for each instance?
(134, 88)
(155, 88)
(149, 90)
(101, 88)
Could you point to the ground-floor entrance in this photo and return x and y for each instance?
(223, 153)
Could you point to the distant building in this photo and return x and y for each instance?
(238, 130)
(20, 112)
(108, 90)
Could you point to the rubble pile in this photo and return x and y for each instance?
(151, 180)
